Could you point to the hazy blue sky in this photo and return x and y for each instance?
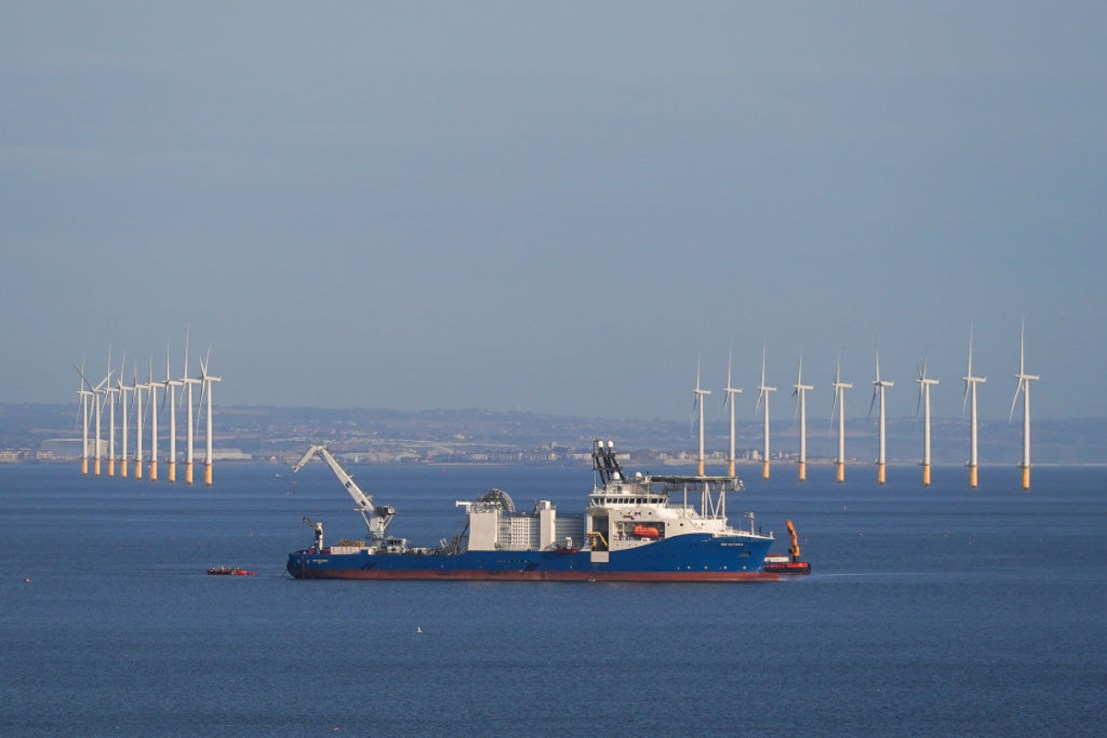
(557, 207)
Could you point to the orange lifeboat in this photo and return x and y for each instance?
(645, 531)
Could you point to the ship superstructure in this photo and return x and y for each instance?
(635, 528)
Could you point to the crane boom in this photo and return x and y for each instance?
(377, 517)
(794, 550)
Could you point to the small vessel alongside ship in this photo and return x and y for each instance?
(231, 571)
(658, 528)
(790, 562)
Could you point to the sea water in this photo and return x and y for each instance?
(930, 611)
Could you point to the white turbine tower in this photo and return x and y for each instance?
(763, 394)
(207, 380)
(138, 425)
(171, 386)
(124, 409)
(83, 394)
(879, 386)
(925, 383)
(800, 393)
(698, 395)
(1024, 387)
(729, 400)
(98, 393)
(153, 388)
(970, 392)
(840, 388)
(188, 382)
(111, 391)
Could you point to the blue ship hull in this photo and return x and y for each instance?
(692, 557)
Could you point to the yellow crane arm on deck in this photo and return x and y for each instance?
(794, 551)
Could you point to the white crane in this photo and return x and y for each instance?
(729, 400)
(763, 394)
(925, 383)
(879, 386)
(377, 517)
(970, 391)
(839, 403)
(800, 393)
(1024, 387)
(698, 395)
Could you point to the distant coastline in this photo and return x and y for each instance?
(47, 433)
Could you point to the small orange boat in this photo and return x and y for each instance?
(229, 571)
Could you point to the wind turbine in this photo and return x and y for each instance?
(171, 385)
(188, 382)
(110, 392)
(1024, 387)
(84, 395)
(729, 399)
(879, 386)
(698, 395)
(763, 394)
(925, 383)
(208, 380)
(800, 393)
(124, 409)
(970, 391)
(99, 390)
(153, 388)
(839, 403)
(138, 424)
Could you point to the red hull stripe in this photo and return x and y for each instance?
(547, 576)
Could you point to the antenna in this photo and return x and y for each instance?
(763, 394)
(879, 386)
(970, 393)
(1023, 386)
(800, 393)
(925, 383)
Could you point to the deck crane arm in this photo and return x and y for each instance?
(794, 549)
(377, 517)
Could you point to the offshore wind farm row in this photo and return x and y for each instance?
(878, 399)
(106, 395)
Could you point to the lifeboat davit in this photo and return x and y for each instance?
(645, 531)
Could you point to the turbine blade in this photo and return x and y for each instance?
(1015, 400)
(970, 349)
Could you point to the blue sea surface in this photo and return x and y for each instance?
(938, 611)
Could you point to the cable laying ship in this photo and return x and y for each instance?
(640, 528)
